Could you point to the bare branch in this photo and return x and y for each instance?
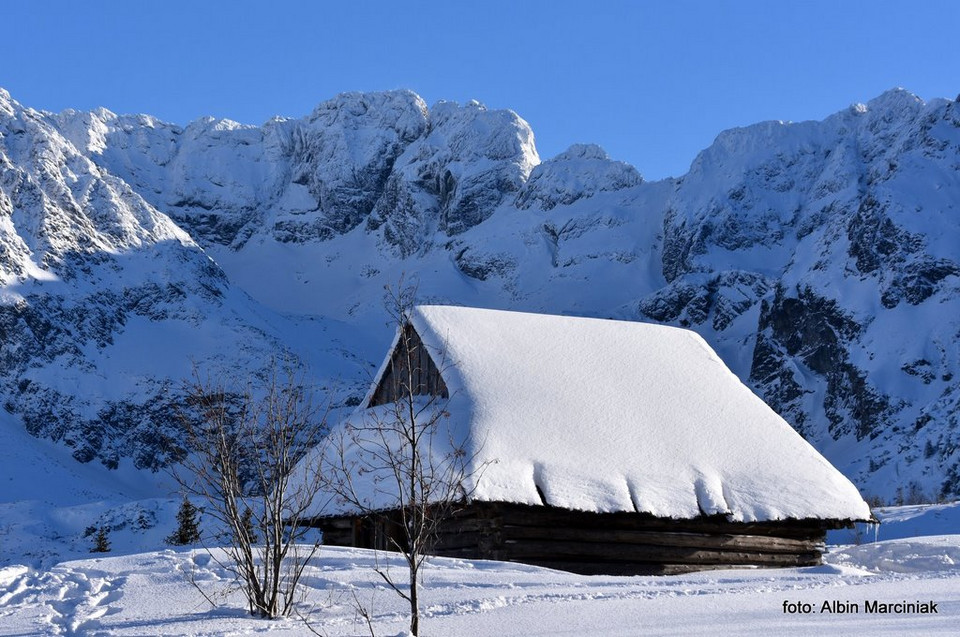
(243, 447)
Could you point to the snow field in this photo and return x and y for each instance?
(150, 594)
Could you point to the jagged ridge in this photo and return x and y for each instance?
(807, 254)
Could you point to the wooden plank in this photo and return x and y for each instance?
(470, 553)
(468, 524)
(338, 537)
(385, 391)
(477, 511)
(526, 515)
(430, 373)
(662, 538)
(466, 540)
(543, 550)
(422, 368)
(611, 557)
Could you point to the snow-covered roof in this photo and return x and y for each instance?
(604, 415)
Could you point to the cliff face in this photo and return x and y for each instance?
(820, 259)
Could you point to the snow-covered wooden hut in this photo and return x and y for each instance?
(610, 447)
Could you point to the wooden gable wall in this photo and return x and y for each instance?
(410, 366)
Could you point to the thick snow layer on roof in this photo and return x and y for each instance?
(602, 415)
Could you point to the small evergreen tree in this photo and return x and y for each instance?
(101, 544)
(188, 532)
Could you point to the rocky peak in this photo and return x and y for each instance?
(403, 111)
(7, 104)
(340, 159)
(455, 176)
(579, 172)
(63, 206)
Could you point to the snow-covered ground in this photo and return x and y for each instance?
(151, 594)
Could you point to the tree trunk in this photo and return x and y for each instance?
(414, 605)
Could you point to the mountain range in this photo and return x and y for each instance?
(820, 259)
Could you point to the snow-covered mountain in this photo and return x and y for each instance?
(106, 304)
(820, 259)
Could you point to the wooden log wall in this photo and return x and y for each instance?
(625, 543)
(612, 543)
(338, 531)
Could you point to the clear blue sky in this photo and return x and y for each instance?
(651, 82)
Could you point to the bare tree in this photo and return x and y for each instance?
(398, 464)
(243, 447)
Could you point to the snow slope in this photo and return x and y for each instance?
(48, 501)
